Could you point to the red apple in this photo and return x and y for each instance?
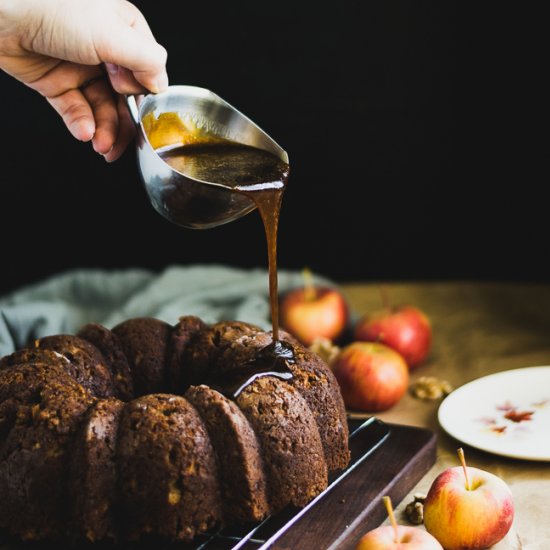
(372, 376)
(314, 312)
(468, 509)
(406, 329)
(397, 537)
(408, 538)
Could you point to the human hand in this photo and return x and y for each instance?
(81, 55)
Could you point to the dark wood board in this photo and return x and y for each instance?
(355, 505)
(387, 459)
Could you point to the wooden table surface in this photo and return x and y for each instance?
(478, 329)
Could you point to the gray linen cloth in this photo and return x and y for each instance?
(66, 302)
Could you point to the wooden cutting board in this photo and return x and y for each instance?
(354, 505)
(387, 459)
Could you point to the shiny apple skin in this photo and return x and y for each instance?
(463, 519)
(325, 315)
(372, 376)
(409, 538)
(406, 329)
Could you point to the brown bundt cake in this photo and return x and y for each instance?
(86, 363)
(228, 345)
(238, 452)
(178, 368)
(295, 468)
(145, 343)
(165, 431)
(108, 343)
(43, 407)
(167, 469)
(92, 473)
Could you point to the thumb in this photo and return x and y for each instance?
(138, 53)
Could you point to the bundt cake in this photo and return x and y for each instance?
(150, 429)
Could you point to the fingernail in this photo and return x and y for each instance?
(105, 155)
(112, 69)
(85, 130)
(160, 84)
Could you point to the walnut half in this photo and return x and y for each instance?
(414, 512)
(430, 387)
(326, 349)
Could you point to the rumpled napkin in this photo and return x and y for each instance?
(64, 303)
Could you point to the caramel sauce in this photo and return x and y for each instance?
(268, 202)
(260, 176)
(273, 360)
(256, 173)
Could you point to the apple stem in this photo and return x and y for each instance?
(309, 288)
(462, 458)
(389, 508)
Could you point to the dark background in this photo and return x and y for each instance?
(413, 131)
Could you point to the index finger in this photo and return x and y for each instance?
(139, 53)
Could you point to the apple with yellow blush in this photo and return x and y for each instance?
(467, 508)
(397, 537)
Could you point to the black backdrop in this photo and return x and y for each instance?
(410, 128)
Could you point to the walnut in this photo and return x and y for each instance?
(325, 349)
(414, 511)
(174, 495)
(430, 387)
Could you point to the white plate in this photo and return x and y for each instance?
(507, 413)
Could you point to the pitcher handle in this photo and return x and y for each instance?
(133, 106)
